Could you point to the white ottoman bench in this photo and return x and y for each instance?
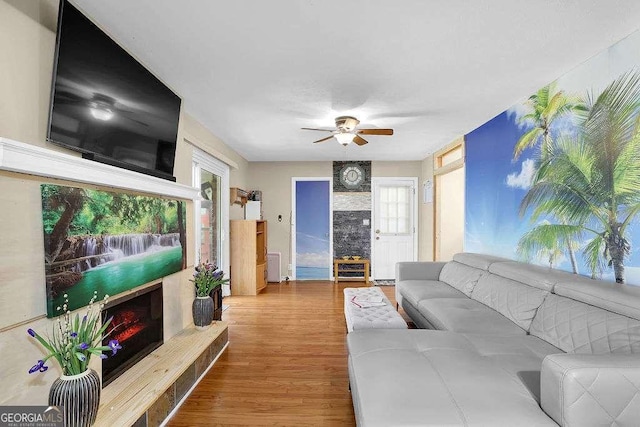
(359, 316)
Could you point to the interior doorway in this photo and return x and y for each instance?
(311, 225)
(394, 236)
(449, 200)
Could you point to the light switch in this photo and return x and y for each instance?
(365, 222)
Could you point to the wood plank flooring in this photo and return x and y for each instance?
(286, 363)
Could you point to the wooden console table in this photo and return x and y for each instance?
(337, 270)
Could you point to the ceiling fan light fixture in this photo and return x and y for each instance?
(103, 114)
(345, 138)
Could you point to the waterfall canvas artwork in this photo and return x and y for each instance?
(106, 242)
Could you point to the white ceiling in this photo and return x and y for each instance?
(255, 71)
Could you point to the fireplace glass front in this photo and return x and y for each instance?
(137, 325)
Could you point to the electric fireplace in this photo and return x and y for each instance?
(137, 325)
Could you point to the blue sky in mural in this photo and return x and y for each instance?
(492, 223)
(312, 229)
(496, 185)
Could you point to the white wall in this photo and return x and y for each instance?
(27, 39)
(425, 232)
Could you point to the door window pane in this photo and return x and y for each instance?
(394, 212)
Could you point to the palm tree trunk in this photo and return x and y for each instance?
(616, 245)
(572, 257)
(618, 268)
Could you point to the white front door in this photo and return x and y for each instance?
(394, 229)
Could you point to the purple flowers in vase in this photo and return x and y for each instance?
(206, 278)
(74, 339)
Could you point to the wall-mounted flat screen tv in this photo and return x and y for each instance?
(106, 105)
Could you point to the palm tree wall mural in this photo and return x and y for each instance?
(555, 180)
(593, 179)
(545, 107)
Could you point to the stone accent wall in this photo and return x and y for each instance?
(351, 209)
(351, 202)
(366, 184)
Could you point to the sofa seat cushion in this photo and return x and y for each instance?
(521, 356)
(433, 378)
(415, 291)
(467, 316)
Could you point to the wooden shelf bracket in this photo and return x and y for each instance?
(238, 196)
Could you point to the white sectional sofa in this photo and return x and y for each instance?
(505, 344)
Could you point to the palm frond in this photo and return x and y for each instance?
(611, 126)
(592, 254)
(627, 169)
(548, 241)
(529, 139)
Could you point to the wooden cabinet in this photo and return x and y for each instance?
(248, 256)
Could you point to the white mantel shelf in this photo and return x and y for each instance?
(33, 160)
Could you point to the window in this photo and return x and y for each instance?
(210, 249)
(394, 210)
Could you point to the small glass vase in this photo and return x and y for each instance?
(202, 310)
(80, 396)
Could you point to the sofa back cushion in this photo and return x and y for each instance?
(576, 327)
(481, 261)
(533, 275)
(615, 297)
(514, 300)
(460, 276)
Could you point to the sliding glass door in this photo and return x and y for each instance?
(211, 213)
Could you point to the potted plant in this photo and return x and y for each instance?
(72, 343)
(206, 279)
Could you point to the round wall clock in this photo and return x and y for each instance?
(352, 176)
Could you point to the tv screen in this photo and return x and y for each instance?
(106, 105)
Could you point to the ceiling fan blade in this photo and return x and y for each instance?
(375, 131)
(322, 130)
(323, 139)
(360, 141)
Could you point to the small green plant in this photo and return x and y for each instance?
(74, 340)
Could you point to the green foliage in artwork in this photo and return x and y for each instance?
(52, 210)
(110, 213)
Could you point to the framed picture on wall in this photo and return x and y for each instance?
(106, 242)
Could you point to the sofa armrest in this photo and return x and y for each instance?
(420, 270)
(590, 390)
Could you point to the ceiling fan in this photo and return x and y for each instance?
(346, 132)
